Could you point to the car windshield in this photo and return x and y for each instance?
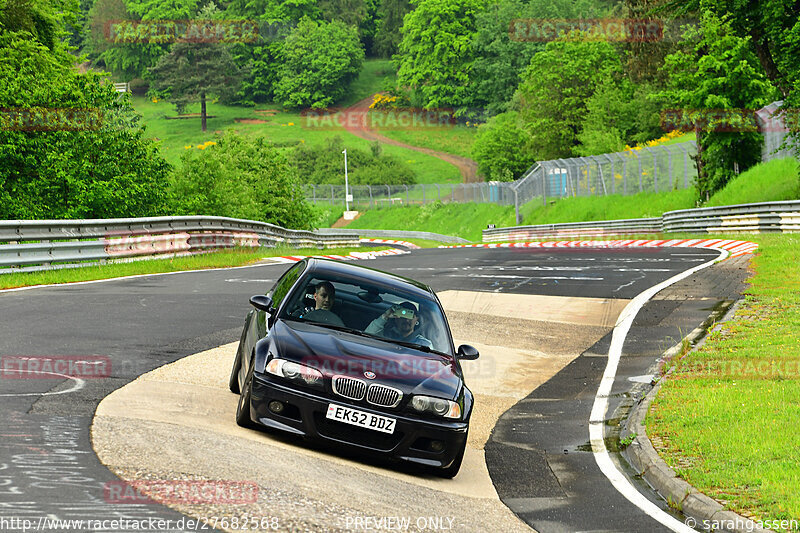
(377, 311)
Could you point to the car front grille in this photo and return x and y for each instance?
(383, 395)
(347, 387)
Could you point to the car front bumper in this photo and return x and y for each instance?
(414, 440)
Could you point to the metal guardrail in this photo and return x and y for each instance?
(575, 229)
(394, 234)
(764, 217)
(48, 244)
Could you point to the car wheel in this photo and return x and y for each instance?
(452, 470)
(233, 381)
(243, 408)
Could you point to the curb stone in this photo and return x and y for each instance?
(643, 457)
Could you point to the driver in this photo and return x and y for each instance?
(399, 322)
(324, 294)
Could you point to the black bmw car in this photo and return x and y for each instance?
(357, 357)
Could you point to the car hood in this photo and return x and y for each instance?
(340, 353)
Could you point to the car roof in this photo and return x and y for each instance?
(339, 268)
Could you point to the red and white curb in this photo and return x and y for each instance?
(734, 248)
(354, 256)
(405, 244)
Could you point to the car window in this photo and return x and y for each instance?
(362, 307)
(282, 286)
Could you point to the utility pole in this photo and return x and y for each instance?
(346, 193)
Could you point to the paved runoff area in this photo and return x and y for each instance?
(186, 410)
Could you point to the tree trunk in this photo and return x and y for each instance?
(702, 185)
(203, 110)
(764, 54)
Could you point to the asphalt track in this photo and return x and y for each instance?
(536, 453)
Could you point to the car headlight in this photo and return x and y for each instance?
(296, 372)
(437, 406)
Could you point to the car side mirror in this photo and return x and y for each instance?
(467, 352)
(262, 303)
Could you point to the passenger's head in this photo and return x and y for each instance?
(404, 318)
(324, 295)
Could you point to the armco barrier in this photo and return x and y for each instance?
(574, 229)
(765, 217)
(48, 244)
(393, 234)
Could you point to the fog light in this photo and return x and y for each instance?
(436, 446)
(276, 407)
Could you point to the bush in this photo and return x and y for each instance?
(326, 165)
(500, 148)
(242, 177)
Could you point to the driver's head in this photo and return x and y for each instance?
(404, 318)
(324, 295)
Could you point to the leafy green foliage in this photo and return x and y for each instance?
(619, 113)
(436, 56)
(502, 53)
(390, 15)
(99, 169)
(719, 71)
(320, 59)
(242, 177)
(501, 148)
(556, 87)
(326, 165)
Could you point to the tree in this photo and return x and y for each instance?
(390, 19)
(502, 54)
(84, 154)
(192, 71)
(242, 177)
(718, 72)
(326, 165)
(555, 89)
(501, 148)
(436, 56)
(320, 60)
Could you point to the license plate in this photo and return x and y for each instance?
(354, 417)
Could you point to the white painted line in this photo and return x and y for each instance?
(600, 407)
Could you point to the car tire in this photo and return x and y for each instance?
(233, 381)
(452, 470)
(243, 407)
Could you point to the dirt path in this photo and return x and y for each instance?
(467, 167)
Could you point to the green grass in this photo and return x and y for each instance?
(284, 128)
(462, 220)
(370, 81)
(456, 139)
(766, 182)
(612, 207)
(227, 258)
(728, 414)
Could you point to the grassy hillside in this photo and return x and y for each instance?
(766, 182)
(776, 180)
(285, 128)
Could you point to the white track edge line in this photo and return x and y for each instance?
(596, 419)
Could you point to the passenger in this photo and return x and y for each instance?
(399, 322)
